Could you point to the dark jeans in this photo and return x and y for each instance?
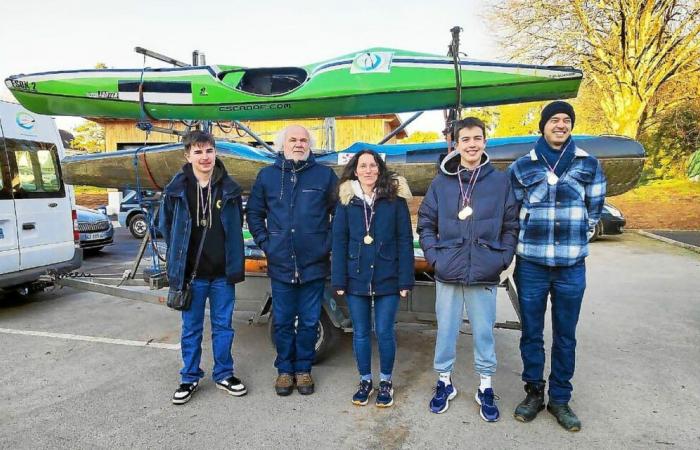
(565, 285)
(296, 346)
(385, 307)
(221, 299)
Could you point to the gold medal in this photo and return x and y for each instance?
(465, 212)
(552, 178)
(368, 239)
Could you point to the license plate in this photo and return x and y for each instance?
(95, 236)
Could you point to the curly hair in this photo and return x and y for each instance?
(386, 186)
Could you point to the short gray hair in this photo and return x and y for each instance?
(282, 136)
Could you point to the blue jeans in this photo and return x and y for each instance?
(221, 299)
(450, 300)
(565, 286)
(385, 307)
(296, 346)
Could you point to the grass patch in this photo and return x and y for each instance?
(663, 190)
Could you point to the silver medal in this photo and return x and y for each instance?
(368, 239)
(203, 222)
(552, 178)
(465, 212)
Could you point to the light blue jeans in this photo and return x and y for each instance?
(481, 311)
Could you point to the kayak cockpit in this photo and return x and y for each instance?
(265, 81)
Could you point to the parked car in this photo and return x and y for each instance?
(611, 222)
(95, 228)
(132, 216)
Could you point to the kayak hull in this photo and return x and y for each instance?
(372, 81)
(153, 167)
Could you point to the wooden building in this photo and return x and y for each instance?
(330, 134)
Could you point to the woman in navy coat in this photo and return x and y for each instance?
(372, 262)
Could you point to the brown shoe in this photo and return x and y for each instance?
(284, 385)
(305, 384)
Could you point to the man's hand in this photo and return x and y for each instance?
(340, 292)
(404, 293)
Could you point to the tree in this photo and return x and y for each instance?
(673, 140)
(629, 49)
(89, 136)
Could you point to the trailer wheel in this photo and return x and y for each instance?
(138, 226)
(327, 335)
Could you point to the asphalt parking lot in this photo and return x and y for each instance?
(77, 373)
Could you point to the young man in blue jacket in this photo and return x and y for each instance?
(203, 196)
(562, 191)
(289, 215)
(468, 225)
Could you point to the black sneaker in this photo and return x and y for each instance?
(364, 390)
(385, 396)
(528, 409)
(184, 393)
(233, 386)
(565, 416)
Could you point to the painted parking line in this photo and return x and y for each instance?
(103, 340)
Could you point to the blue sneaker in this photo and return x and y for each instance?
(385, 396)
(364, 390)
(487, 401)
(441, 398)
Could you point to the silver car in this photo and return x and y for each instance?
(95, 228)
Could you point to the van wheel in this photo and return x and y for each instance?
(138, 226)
(327, 335)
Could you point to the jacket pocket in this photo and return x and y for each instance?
(536, 186)
(387, 251)
(487, 261)
(577, 181)
(451, 261)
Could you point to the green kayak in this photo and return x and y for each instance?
(377, 80)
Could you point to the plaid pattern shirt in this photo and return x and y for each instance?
(557, 220)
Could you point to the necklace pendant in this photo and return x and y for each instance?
(552, 178)
(203, 222)
(368, 239)
(465, 212)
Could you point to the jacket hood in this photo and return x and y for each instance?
(450, 165)
(346, 192)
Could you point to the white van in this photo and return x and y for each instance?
(37, 217)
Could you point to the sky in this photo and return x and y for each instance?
(42, 35)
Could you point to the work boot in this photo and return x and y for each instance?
(305, 384)
(565, 416)
(533, 403)
(284, 385)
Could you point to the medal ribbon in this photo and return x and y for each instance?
(467, 195)
(368, 220)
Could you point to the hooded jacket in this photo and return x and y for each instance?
(383, 267)
(475, 250)
(288, 214)
(175, 223)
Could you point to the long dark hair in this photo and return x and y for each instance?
(386, 187)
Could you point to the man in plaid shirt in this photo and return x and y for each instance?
(562, 191)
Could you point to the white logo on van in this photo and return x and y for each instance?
(26, 121)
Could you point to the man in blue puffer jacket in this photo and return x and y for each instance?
(468, 227)
(288, 213)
